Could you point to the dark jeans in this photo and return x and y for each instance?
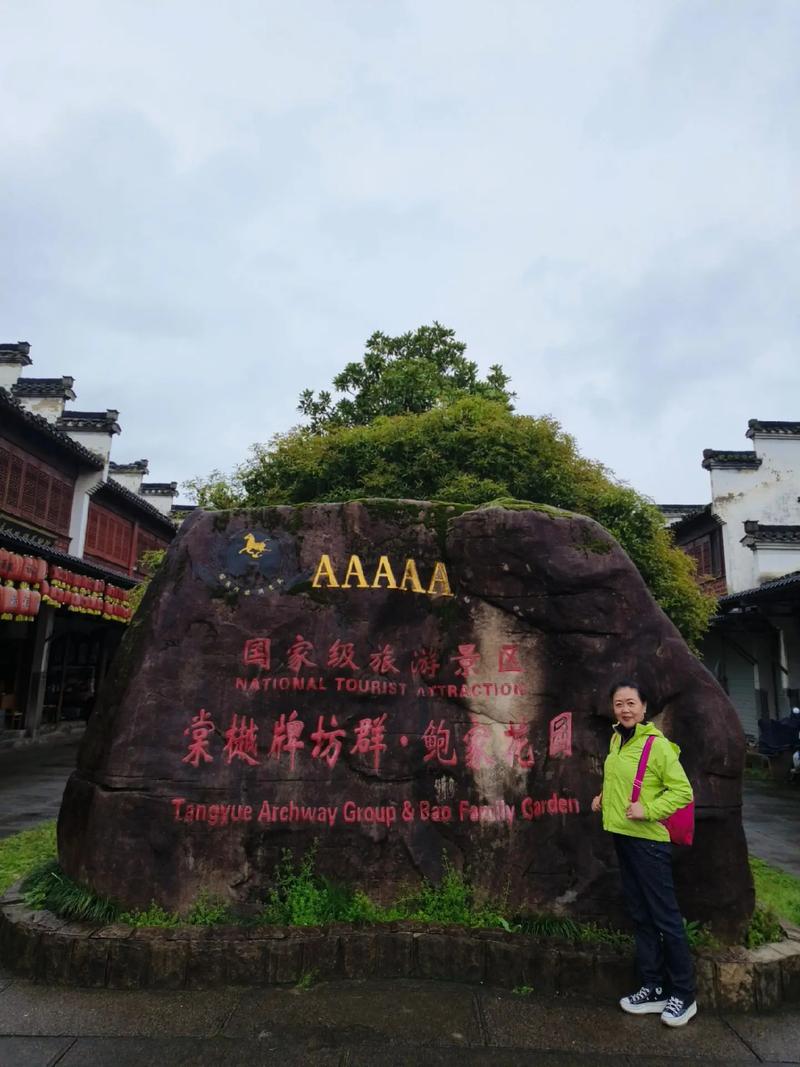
(662, 951)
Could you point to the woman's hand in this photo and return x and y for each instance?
(635, 810)
(597, 802)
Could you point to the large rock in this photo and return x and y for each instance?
(273, 691)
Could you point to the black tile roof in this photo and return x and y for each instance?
(137, 465)
(756, 534)
(688, 522)
(680, 512)
(788, 585)
(11, 405)
(58, 387)
(680, 509)
(115, 488)
(755, 426)
(30, 547)
(15, 353)
(713, 457)
(160, 488)
(91, 420)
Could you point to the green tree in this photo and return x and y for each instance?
(216, 491)
(403, 375)
(473, 451)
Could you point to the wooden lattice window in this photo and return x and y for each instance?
(33, 491)
(109, 536)
(148, 542)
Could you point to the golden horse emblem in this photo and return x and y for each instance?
(252, 548)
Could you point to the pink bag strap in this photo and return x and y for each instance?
(637, 781)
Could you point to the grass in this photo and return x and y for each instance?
(155, 915)
(46, 887)
(20, 853)
(570, 930)
(757, 773)
(777, 890)
(302, 897)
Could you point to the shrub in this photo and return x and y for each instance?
(764, 927)
(474, 451)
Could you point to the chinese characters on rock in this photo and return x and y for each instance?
(382, 659)
(483, 745)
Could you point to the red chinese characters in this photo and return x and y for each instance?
(561, 735)
(286, 738)
(476, 741)
(340, 655)
(240, 741)
(256, 652)
(519, 752)
(508, 660)
(327, 743)
(436, 739)
(424, 663)
(382, 661)
(370, 735)
(468, 660)
(200, 727)
(298, 654)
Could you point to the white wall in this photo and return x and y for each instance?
(94, 440)
(79, 519)
(767, 494)
(9, 375)
(49, 407)
(162, 502)
(772, 561)
(130, 479)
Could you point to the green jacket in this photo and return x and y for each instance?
(665, 787)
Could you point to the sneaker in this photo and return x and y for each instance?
(650, 998)
(678, 1011)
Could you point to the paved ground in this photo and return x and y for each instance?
(772, 824)
(350, 1024)
(31, 784)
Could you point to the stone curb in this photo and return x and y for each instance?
(38, 945)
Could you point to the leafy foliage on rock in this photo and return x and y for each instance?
(473, 451)
(149, 563)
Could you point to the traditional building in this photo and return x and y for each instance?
(73, 528)
(746, 543)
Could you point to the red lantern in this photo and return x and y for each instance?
(16, 568)
(24, 602)
(8, 600)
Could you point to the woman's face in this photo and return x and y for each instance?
(628, 707)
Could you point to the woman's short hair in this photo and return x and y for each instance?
(628, 683)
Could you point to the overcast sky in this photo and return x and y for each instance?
(206, 207)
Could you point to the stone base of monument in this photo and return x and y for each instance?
(38, 945)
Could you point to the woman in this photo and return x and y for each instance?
(645, 856)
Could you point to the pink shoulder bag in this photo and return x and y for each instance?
(680, 824)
